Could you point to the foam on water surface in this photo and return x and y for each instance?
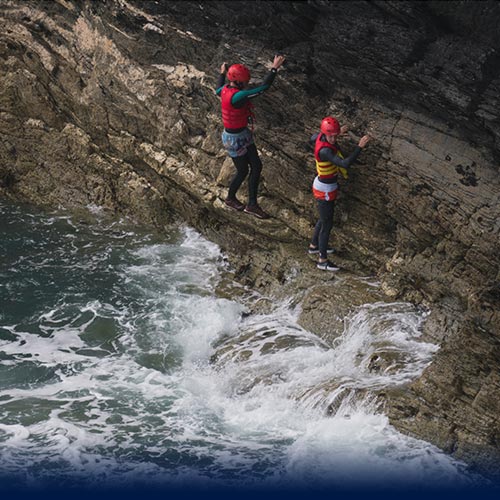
(124, 367)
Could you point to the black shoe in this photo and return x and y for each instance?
(327, 266)
(234, 204)
(257, 211)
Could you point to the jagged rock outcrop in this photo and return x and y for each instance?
(112, 103)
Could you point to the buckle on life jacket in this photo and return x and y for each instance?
(343, 171)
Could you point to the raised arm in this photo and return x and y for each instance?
(327, 154)
(242, 96)
(222, 78)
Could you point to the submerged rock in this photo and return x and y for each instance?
(112, 104)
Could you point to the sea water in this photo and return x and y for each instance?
(122, 367)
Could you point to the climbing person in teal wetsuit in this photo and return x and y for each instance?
(329, 162)
(237, 138)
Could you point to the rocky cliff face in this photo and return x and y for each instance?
(112, 103)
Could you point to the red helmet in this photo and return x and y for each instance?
(330, 126)
(238, 73)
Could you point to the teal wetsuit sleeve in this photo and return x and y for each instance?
(242, 96)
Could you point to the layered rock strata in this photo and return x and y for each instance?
(112, 103)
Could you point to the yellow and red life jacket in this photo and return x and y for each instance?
(234, 117)
(327, 169)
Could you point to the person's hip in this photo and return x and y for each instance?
(324, 191)
(237, 144)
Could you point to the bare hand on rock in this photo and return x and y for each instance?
(278, 61)
(364, 141)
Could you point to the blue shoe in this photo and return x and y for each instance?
(315, 250)
(327, 266)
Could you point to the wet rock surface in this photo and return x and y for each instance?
(112, 103)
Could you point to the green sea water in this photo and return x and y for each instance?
(122, 367)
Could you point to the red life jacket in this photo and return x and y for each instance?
(234, 117)
(326, 169)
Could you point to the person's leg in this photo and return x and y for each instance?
(254, 178)
(315, 236)
(326, 209)
(241, 164)
(314, 243)
(253, 183)
(236, 147)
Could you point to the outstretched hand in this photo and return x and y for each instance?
(278, 61)
(223, 68)
(344, 129)
(364, 141)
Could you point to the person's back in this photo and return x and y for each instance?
(237, 138)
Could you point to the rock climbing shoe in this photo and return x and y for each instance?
(234, 204)
(257, 211)
(327, 266)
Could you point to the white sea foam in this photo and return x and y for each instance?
(160, 381)
(364, 450)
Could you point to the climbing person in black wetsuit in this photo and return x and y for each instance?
(237, 138)
(329, 161)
